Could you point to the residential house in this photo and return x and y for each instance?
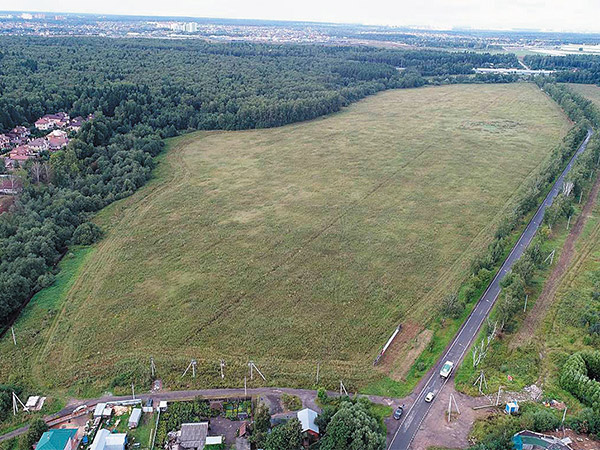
(21, 131)
(43, 124)
(57, 139)
(105, 440)
(38, 145)
(50, 121)
(192, 436)
(63, 439)
(76, 123)
(20, 154)
(15, 138)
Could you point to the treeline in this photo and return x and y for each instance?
(570, 68)
(99, 167)
(181, 85)
(437, 62)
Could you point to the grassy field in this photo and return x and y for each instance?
(589, 91)
(289, 246)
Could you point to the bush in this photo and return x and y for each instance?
(87, 233)
(291, 402)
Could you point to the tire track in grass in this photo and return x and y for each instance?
(565, 265)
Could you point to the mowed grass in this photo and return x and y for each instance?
(295, 245)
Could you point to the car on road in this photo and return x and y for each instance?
(446, 369)
(79, 408)
(429, 396)
(398, 412)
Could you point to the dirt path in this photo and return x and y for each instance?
(546, 298)
(437, 432)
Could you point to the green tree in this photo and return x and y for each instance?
(352, 427)
(285, 437)
(36, 429)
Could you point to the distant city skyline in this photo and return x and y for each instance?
(549, 15)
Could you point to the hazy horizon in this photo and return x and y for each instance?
(551, 15)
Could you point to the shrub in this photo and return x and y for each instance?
(291, 402)
(87, 233)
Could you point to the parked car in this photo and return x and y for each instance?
(398, 412)
(429, 396)
(446, 369)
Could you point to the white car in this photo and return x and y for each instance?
(446, 369)
(79, 408)
(429, 396)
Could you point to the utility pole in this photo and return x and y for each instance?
(318, 366)
(343, 388)
(245, 388)
(450, 400)
(222, 367)
(192, 364)
(498, 396)
(132, 391)
(12, 329)
(568, 222)
(525, 307)
(152, 366)
(252, 368)
(16, 402)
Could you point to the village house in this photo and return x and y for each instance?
(21, 131)
(43, 124)
(50, 121)
(105, 440)
(57, 139)
(63, 439)
(21, 154)
(75, 124)
(4, 141)
(38, 145)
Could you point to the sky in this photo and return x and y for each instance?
(547, 15)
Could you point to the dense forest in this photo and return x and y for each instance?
(569, 68)
(142, 91)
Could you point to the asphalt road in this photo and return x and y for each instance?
(456, 350)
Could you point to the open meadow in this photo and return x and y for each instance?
(291, 246)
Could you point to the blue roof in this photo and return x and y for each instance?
(56, 439)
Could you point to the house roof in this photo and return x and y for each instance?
(105, 440)
(193, 435)
(56, 439)
(135, 415)
(99, 409)
(307, 420)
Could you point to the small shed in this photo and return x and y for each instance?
(162, 405)
(214, 440)
(307, 420)
(512, 407)
(134, 418)
(99, 410)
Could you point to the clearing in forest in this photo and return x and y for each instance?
(291, 246)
